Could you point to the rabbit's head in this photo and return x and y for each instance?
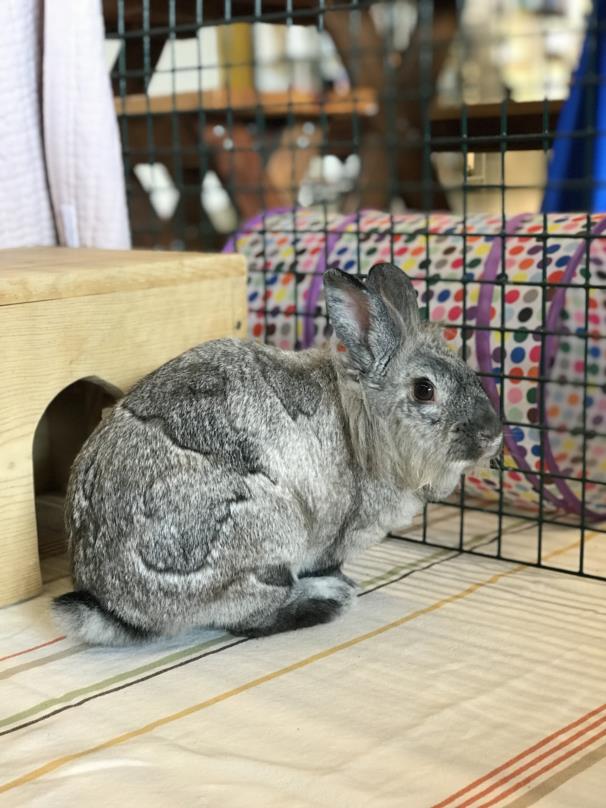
(416, 411)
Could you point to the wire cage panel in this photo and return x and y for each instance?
(458, 139)
(490, 290)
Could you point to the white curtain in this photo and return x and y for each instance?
(61, 175)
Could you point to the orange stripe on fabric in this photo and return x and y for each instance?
(57, 763)
(532, 762)
(33, 648)
(479, 781)
(551, 765)
(127, 736)
(519, 757)
(557, 779)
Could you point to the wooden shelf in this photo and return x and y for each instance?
(34, 274)
(525, 125)
(246, 103)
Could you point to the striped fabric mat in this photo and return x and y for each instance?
(456, 681)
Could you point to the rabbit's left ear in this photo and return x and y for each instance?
(364, 321)
(396, 289)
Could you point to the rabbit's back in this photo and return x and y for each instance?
(211, 463)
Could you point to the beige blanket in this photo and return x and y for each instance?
(456, 681)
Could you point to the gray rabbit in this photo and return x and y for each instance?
(230, 485)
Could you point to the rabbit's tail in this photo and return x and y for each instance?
(82, 617)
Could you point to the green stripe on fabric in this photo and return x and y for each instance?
(111, 680)
(165, 660)
(410, 566)
(392, 573)
(41, 661)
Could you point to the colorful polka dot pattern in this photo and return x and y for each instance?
(496, 324)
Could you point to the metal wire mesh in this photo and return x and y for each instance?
(228, 110)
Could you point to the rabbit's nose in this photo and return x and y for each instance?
(485, 425)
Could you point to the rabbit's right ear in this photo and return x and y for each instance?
(370, 332)
(396, 289)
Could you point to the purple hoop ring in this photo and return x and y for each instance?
(315, 288)
(569, 501)
(251, 224)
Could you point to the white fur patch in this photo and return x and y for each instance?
(89, 625)
(326, 588)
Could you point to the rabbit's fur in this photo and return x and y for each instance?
(229, 486)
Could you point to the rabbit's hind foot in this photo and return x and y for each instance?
(334, 571)
(314, 600)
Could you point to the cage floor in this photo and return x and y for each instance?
(558, 543)
(456, 681)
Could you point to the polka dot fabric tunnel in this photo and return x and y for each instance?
(523, 300)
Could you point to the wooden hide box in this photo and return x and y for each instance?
(77, 329)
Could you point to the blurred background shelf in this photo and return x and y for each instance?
(224, 112)
(527, 125)
(249, 103)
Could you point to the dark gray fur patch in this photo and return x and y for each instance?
(164, 427)
(297, 614)
(280, 575)
(292, 386)
(181, 543)
(190, 406)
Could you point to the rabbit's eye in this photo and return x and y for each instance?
(423, 390)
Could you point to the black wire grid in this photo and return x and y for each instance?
(261, 145)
